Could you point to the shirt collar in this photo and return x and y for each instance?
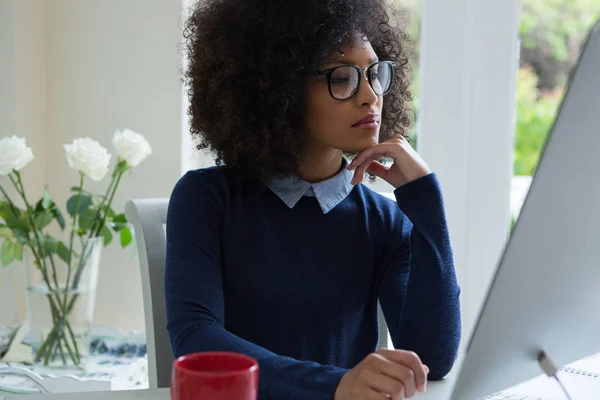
(329, 193)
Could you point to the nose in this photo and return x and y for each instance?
(365, 94)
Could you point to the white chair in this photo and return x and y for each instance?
(149, 217)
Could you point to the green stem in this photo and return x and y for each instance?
(10, 202)
(74, 219)
(48, 345)
(71, 239)
(56, 345)
(55, 335)
(59, 347)
(51, 339)
(54, 278)
(45, 344)
(86, 252)
(112, 196)
(82, 261)
(21, 189)
(101, 206)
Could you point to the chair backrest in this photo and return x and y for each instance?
(149, 217)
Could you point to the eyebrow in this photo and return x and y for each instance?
(350, 62)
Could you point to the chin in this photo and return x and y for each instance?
(359, 145)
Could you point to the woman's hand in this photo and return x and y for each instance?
(407, 166)
(386, 374)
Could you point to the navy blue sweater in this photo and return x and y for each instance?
(297, 289)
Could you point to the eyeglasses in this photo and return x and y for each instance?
(344, 81)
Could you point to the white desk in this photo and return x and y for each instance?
(435, 391)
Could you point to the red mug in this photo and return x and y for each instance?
(214, 376)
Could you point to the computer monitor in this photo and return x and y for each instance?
(545, 295)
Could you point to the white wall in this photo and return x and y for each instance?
(22, 113)
(86, 68)
(7, 126)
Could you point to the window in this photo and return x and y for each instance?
(551, 33)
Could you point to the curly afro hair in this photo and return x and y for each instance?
(247, 70)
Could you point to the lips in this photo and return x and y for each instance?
(369, 118)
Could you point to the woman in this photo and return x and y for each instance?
(280, 252)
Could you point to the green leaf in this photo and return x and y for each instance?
(119, 222)
(40, 236)
(50, 244)
(38, 206)
(120, 218)
(84, 203)
(107, 235)
(18, 249)
(8, 252)
(63, 252)
(40, 240)
(126, 237)
(46, 200)
(21, 235)
(5, 232)
(43, 219)
(85, 223)
(111, 213)
(59, 217)
(12, 220)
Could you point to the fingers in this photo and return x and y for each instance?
(372, 153)
(373, 394)
(413, 376)
(384, 149)
(372, 167)
(384, 384)
(401, 374)
(378, 169)
(359, 174)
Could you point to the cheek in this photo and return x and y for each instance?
(324, 117)
(331, 124)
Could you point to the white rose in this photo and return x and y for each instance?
(14, 154)
(131, 146)
(86, 155)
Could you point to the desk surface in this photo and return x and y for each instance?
(435, 391)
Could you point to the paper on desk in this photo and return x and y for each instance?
(578, 386)
(588, 364)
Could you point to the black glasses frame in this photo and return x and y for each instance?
(328, 72)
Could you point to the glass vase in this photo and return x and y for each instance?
(60, 304)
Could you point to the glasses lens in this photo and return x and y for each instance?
(344, 81)
(381, 77)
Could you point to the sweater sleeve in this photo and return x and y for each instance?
(194, 294)
(418, 291)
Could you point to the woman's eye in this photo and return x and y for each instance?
(339, 80)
